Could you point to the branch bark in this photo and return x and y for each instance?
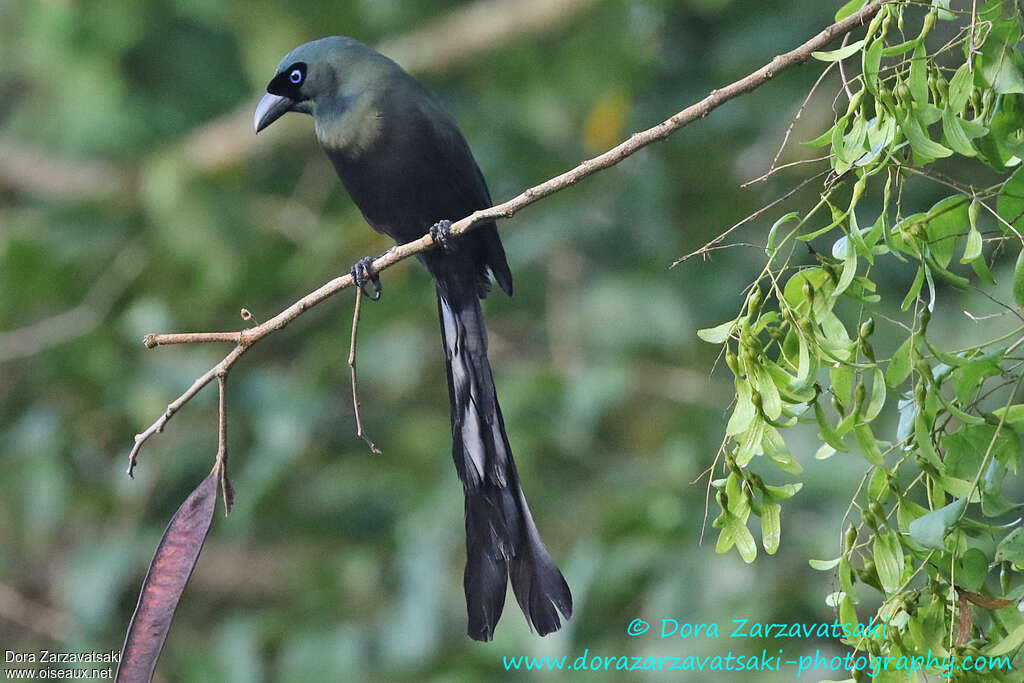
(244, 339)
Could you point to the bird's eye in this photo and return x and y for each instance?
(295, 76)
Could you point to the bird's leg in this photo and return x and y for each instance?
(441, 233)
(362, 273)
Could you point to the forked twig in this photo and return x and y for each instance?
(352, 370)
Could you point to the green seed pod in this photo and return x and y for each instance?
(986, 102)
(929, 22)
(855, 101)
(753, 300)
(838, 406)
(858, 189)
(733, 362)
(867, 328)
(867, 350)
(903, 93)
(876, 510)
(850, 537)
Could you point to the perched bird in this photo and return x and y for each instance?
(407, 167)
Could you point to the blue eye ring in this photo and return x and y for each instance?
(295, 77)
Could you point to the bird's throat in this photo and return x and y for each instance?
(352, 129)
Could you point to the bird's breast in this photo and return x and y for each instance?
(353, 131)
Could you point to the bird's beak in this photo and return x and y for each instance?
(270, 109)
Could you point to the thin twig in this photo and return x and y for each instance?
(352, 371)
(221, 464)
(711, 246)
(246, 338)
(798, 162)
(792, 123)
(971, 50)
(842, 71)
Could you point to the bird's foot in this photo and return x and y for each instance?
(441, 233)
(362, 273)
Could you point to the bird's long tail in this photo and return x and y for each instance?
(502, 540)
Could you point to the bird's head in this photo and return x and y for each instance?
(320, 78)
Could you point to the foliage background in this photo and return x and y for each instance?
(335, 560)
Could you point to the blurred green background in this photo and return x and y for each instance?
(134, 199)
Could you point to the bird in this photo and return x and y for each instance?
(407, 167)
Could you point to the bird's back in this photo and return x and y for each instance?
(412, 167)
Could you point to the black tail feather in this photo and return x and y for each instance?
(502, 540)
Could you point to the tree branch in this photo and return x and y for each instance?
(244, 339)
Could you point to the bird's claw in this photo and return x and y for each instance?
(441, 233)
(362, 273)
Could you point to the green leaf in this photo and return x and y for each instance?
(827, 432)
(900, 48)
(981, 270)
(972, 569)
(735, 532)
(878, 487)
(782, 492)
(1012, 416)
(993, 504)
(1011, 548)
(1010, 203)
(930, 530)
(868, 444)
(771, 527)
(919, 75)
(847, 613)
(718, 333)
(849, 8)
(944, 222)
(954, 135)
(841, 377)
(849, 269)
(841, 53)
(877, 400)
(750, 442)
(871, 63)
(771, 402)
(889, 561)
(965, 451)
(969, 375)
(743, 413)
(770, 246)
(925, 149)
(974, 244)
(823, 565)
(915, 288)
(825, 138)
(1011, 642)
(900, 364)
(960, 89)
(1018, 279)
